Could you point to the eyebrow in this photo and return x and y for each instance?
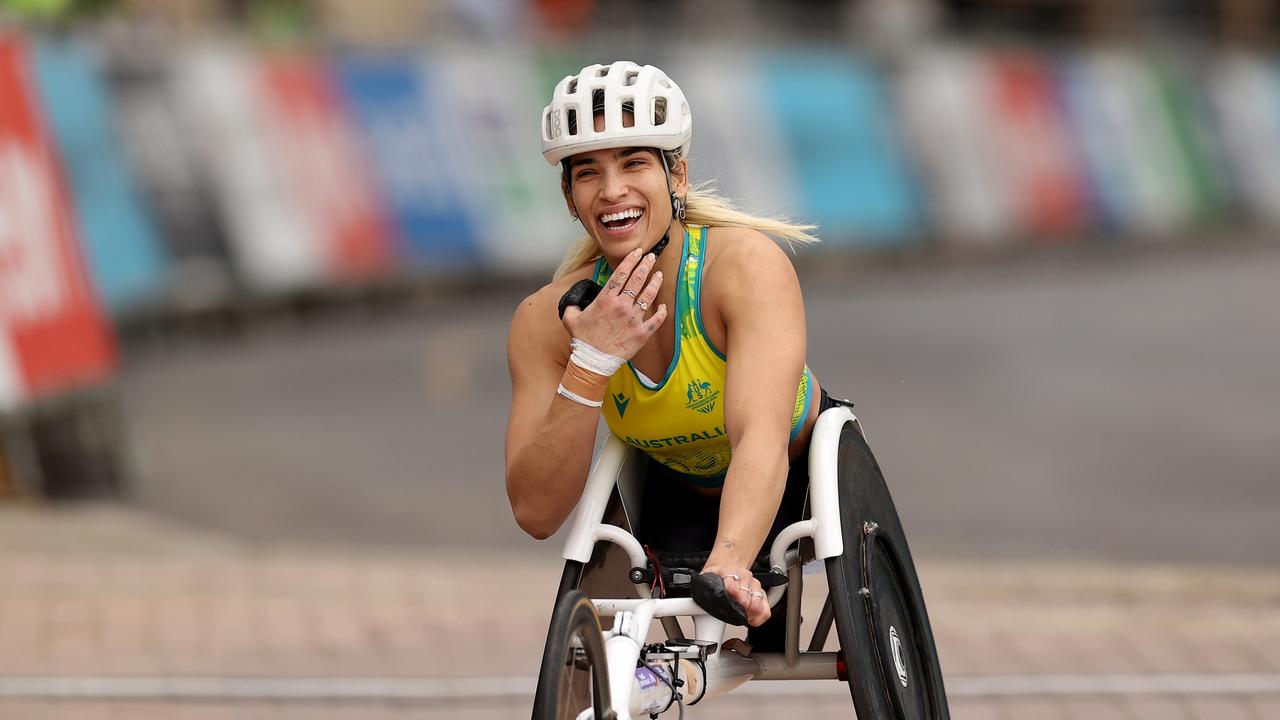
(624, 153)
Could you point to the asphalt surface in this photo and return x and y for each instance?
(1079, 406)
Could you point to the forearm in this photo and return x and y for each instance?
(749, 502)
(545, 477)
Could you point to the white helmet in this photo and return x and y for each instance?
(646, 89)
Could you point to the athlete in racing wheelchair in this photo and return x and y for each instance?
(709, 477)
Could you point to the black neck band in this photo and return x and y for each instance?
(662, 244)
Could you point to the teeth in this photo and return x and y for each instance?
(629, 213)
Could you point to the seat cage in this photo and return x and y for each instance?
(619, 466)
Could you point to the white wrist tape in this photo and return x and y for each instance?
(566, 392)
(588, 358)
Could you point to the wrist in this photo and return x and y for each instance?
(584, 383)
(586, 356)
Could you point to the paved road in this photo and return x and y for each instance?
(1080, 407)
(108, 614)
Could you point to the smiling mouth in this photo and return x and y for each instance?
(621, 221)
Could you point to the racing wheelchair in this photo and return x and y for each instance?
(886, 649)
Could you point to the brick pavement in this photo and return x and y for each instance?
(106, 592)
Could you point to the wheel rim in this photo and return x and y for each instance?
(894, 623)
(574, 693)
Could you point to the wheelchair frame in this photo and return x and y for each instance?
(725, 669)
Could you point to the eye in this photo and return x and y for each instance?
(635, 162)
(581, 174)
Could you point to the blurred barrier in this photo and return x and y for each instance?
(402, 123)
(271, 173)
(57, 354)
(1243, 92)
(1035, 158)
(837, 126)
(53, 336)
(177, 192)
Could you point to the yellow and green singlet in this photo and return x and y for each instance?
(678, 420)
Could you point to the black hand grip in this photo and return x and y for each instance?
(579, 295)
(708, 591)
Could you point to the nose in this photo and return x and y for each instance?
(614, 187)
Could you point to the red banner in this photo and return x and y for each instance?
(1039, 160)
(53, 335)
(321, 160)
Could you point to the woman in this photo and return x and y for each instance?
(695, 355)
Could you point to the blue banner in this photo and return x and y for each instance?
(834, 114)
(396, 114)
(124, 255)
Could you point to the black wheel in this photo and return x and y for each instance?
(889, 654)
(574, 675)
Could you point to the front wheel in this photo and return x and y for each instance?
(573, 682)
(885, 637)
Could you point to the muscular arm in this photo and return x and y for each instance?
(549, 438)
(763, 312)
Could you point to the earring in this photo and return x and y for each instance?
(677, 207)
(573, 214)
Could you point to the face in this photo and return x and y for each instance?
(620, 195)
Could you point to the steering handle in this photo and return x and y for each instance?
(709, 592)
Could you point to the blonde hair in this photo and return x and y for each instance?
(703, 206)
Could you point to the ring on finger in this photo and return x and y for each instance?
(642, 305)
(629, 291)
(757, 594)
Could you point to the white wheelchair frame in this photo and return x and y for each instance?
(724, 669)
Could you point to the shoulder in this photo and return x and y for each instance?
(737, 256)
(538, 316)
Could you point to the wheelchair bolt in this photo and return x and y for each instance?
(637, 576)
(869, 527)
(864, 592)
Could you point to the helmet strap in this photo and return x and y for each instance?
(677, 205)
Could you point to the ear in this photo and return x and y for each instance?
(568, 197)
(680, 177)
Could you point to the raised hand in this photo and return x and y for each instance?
(615, 322)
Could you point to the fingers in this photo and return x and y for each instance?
(747, 592)
(645, 299)
(622, 272)
(755, 601)
(655, 321)
(635, 283)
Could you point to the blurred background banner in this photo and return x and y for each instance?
(1037, 159)
(216, 166)
(313, 145)
(53, 335)
(128, 264)
(276, 247)
(836, 122)
(945, 99)
(404, 130)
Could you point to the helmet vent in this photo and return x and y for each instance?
(628, 113)
(603, 71)
(664, 83)
(573, 86)
(597, 101)
(659, 110)
(630, 78)
(571, 120)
